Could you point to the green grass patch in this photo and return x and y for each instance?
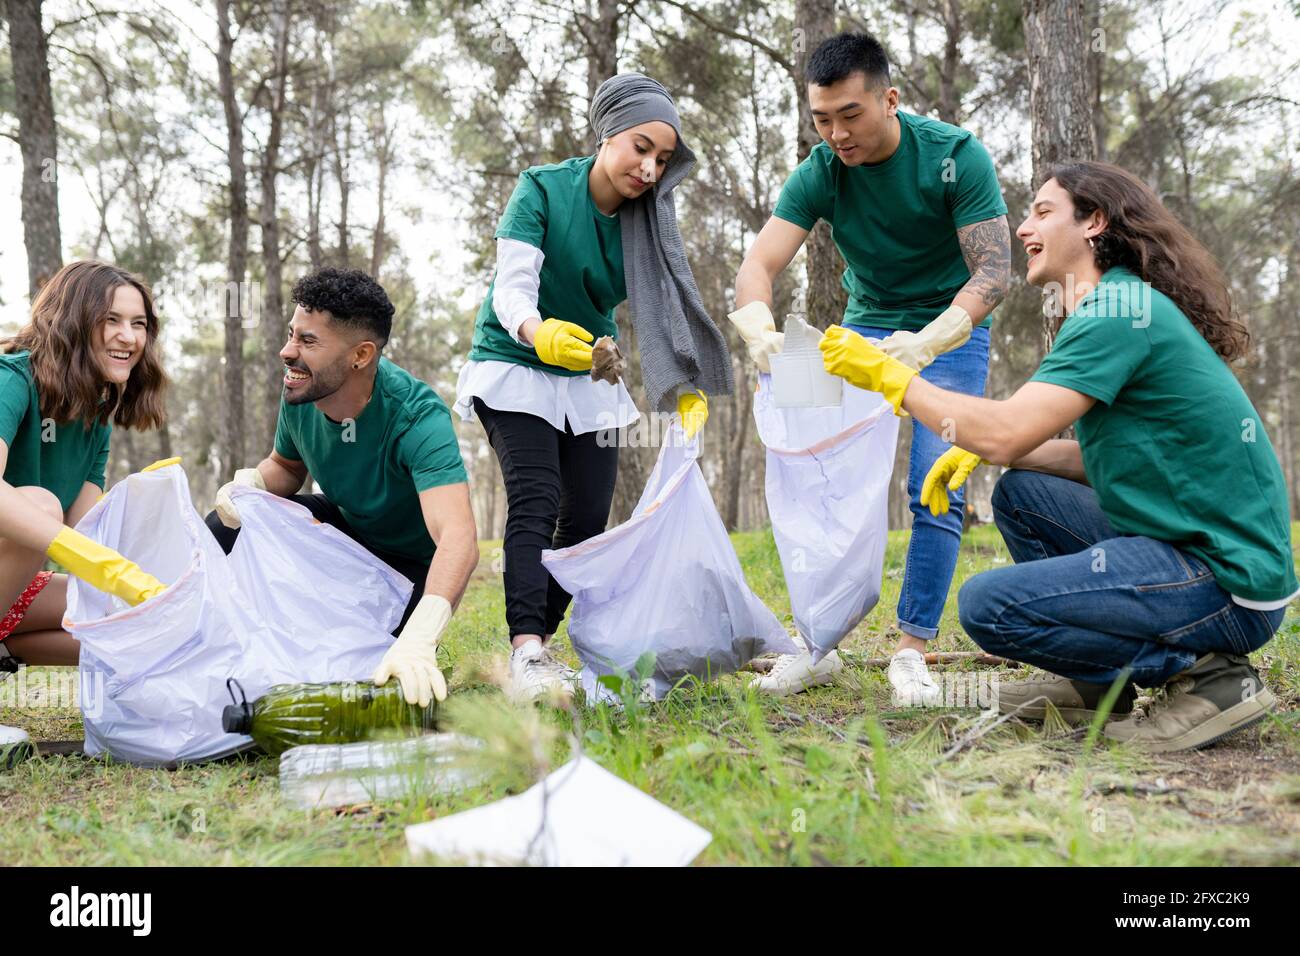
(830, 777)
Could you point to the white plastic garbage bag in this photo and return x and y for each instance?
(296, 601)
(828, 472)
(667, 581)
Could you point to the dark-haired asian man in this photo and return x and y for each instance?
(380, 444)
(916, 211)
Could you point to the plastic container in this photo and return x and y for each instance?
(15, 747)
(289, 715)
(335, 775)
(799, 378)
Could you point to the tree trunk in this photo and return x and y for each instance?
(601, 32)
(273, 319)
(1284, 383)
(164, 441)
(949, 102)
(321, 96)
(636, 457)
(37, 140)
(342, 157)
(1096, 63)
(742, 403)
(383, 137)
(824, 306)
(1060, 96)
(232, 435)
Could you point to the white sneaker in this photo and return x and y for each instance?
(911, 681)
(15, 747)
(535, 673)
(796, 673)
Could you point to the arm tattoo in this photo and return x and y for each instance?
(986, 247)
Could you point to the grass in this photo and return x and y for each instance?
(834, 776)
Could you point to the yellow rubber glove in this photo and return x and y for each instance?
(564, 344)
(950, 330)
(948, 473)
(693, 409)
(225, 504)
(162, 463)
(860, 363)
(413, 658)
(103, 567)
(756, 326)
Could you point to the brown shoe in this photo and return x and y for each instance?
(1076, 701)
(1218, 695)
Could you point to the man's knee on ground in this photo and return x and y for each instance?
(1009, 490)
(978, 604)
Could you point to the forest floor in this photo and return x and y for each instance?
(835, 776)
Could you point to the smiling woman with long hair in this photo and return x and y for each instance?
(86, 361)
(1155, 550)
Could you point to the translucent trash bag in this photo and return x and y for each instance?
(827, 487)
(667, 581)
(296, 601)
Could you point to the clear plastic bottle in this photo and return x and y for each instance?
(289, 715)
(314, 776)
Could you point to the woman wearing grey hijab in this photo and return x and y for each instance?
(576, 239)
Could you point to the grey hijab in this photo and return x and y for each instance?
(679, 342)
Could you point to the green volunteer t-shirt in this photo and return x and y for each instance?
(1173, 447)
(895, 223)
(60, 458)
(582, 269)
(374, 467)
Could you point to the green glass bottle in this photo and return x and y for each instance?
(338, 713)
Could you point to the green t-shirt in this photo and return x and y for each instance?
(582, 270)
(1173, 447)
(895, 223)
(374, 467)
(58, 458)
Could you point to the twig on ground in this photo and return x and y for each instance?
(762, 665)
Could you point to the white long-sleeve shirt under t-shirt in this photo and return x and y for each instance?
(585, 405)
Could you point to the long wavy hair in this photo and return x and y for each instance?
(1142, 235)
(61, 342)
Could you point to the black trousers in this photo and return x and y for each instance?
(325, 511)
(559, 487)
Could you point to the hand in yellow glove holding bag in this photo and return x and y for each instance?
(565, 344)
(102, 567)
(948, 473)
(693, 408)
(858, 362)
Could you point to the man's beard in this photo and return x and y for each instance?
(323, 384)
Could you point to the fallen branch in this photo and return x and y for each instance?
(762, 665)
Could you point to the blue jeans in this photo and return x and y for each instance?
(1085, 603)
(932, 550)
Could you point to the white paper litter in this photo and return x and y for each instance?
(591, 817)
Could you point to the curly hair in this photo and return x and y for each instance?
(1142, 235)
(59, 341)
(350, 297)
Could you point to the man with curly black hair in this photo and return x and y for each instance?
(380, 444)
